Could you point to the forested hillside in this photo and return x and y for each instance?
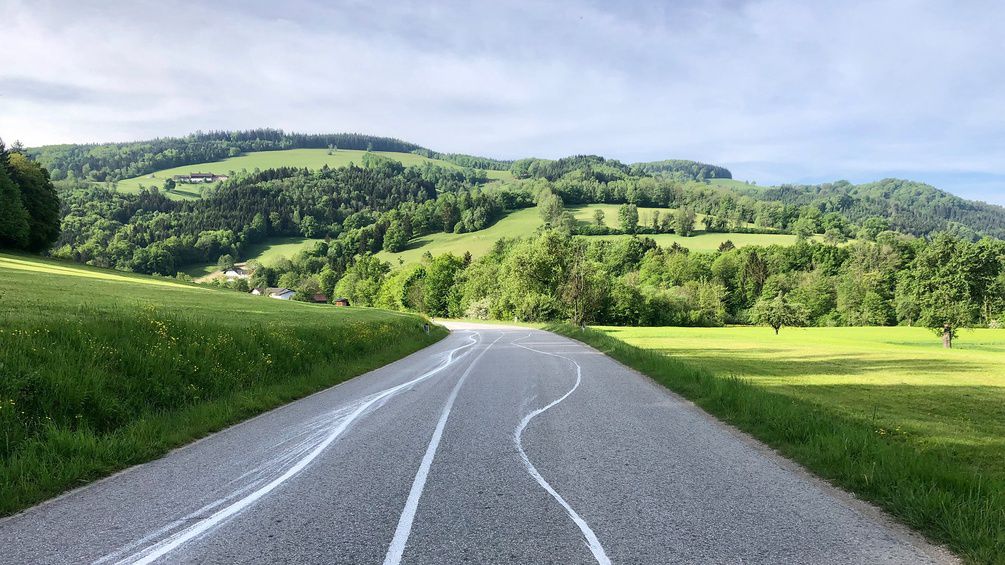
(866, 254)
(116, 161)
(907, 206)
(690, 169)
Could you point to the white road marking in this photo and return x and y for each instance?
(404, 529)
(591, 538)
(201, 527)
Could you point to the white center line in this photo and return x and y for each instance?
(591, 538)
(404, 529)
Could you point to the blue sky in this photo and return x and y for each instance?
(778, 91)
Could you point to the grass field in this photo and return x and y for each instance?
(884, 412)
(309, 158)
(515, 224)
(519, 223)
(524, 222)
(101, 370)
(266, 253)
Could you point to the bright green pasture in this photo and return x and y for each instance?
(524, 222)
(304, 158)
(952, 401)
(520, 223)
(265, 252)
(885, 413)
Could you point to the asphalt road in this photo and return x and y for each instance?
(496, 445)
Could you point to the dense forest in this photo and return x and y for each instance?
(908, 206)
(690, 169)
(29, 206)
(469, 161)
(895, 279)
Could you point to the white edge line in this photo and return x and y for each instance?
(168, 545)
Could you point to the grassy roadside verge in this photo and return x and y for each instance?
(102, 370)
(932, 493)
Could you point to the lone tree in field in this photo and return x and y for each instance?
(684, 220)
(628, 214)
(947, 283)
(779, 311)
(598, 217)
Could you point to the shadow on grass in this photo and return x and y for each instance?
(935, 488)
(752, 363)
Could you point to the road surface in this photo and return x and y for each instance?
(496, 445)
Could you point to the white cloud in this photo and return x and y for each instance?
(778, 90)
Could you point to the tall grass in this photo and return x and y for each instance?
(940, 497)
(91, 385)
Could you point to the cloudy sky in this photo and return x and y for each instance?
(778, 90)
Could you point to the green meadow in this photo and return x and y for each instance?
(302, 158)
(102, 370)
(885, 412)
(266, 253)
(524, 222)
(519, 223)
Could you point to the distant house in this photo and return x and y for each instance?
(319, 298)
(198, 178)
(272, 292)
(341, 302)
(281, 293)
(236, 272)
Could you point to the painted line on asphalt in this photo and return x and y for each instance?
(591, 538)
(202, 527)
(404, 529)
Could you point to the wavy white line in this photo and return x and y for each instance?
(591, 538)
(162, 548)
(397, 547)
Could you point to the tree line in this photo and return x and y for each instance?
(906, 206)
(29, 205)
(897, 279)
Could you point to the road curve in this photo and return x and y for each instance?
(495, 445)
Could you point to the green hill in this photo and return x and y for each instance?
(524, 222)
(103, 369)
(519, 223)
(262, 160)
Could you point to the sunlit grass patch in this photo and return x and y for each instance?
(883, 412)
(100, 370)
